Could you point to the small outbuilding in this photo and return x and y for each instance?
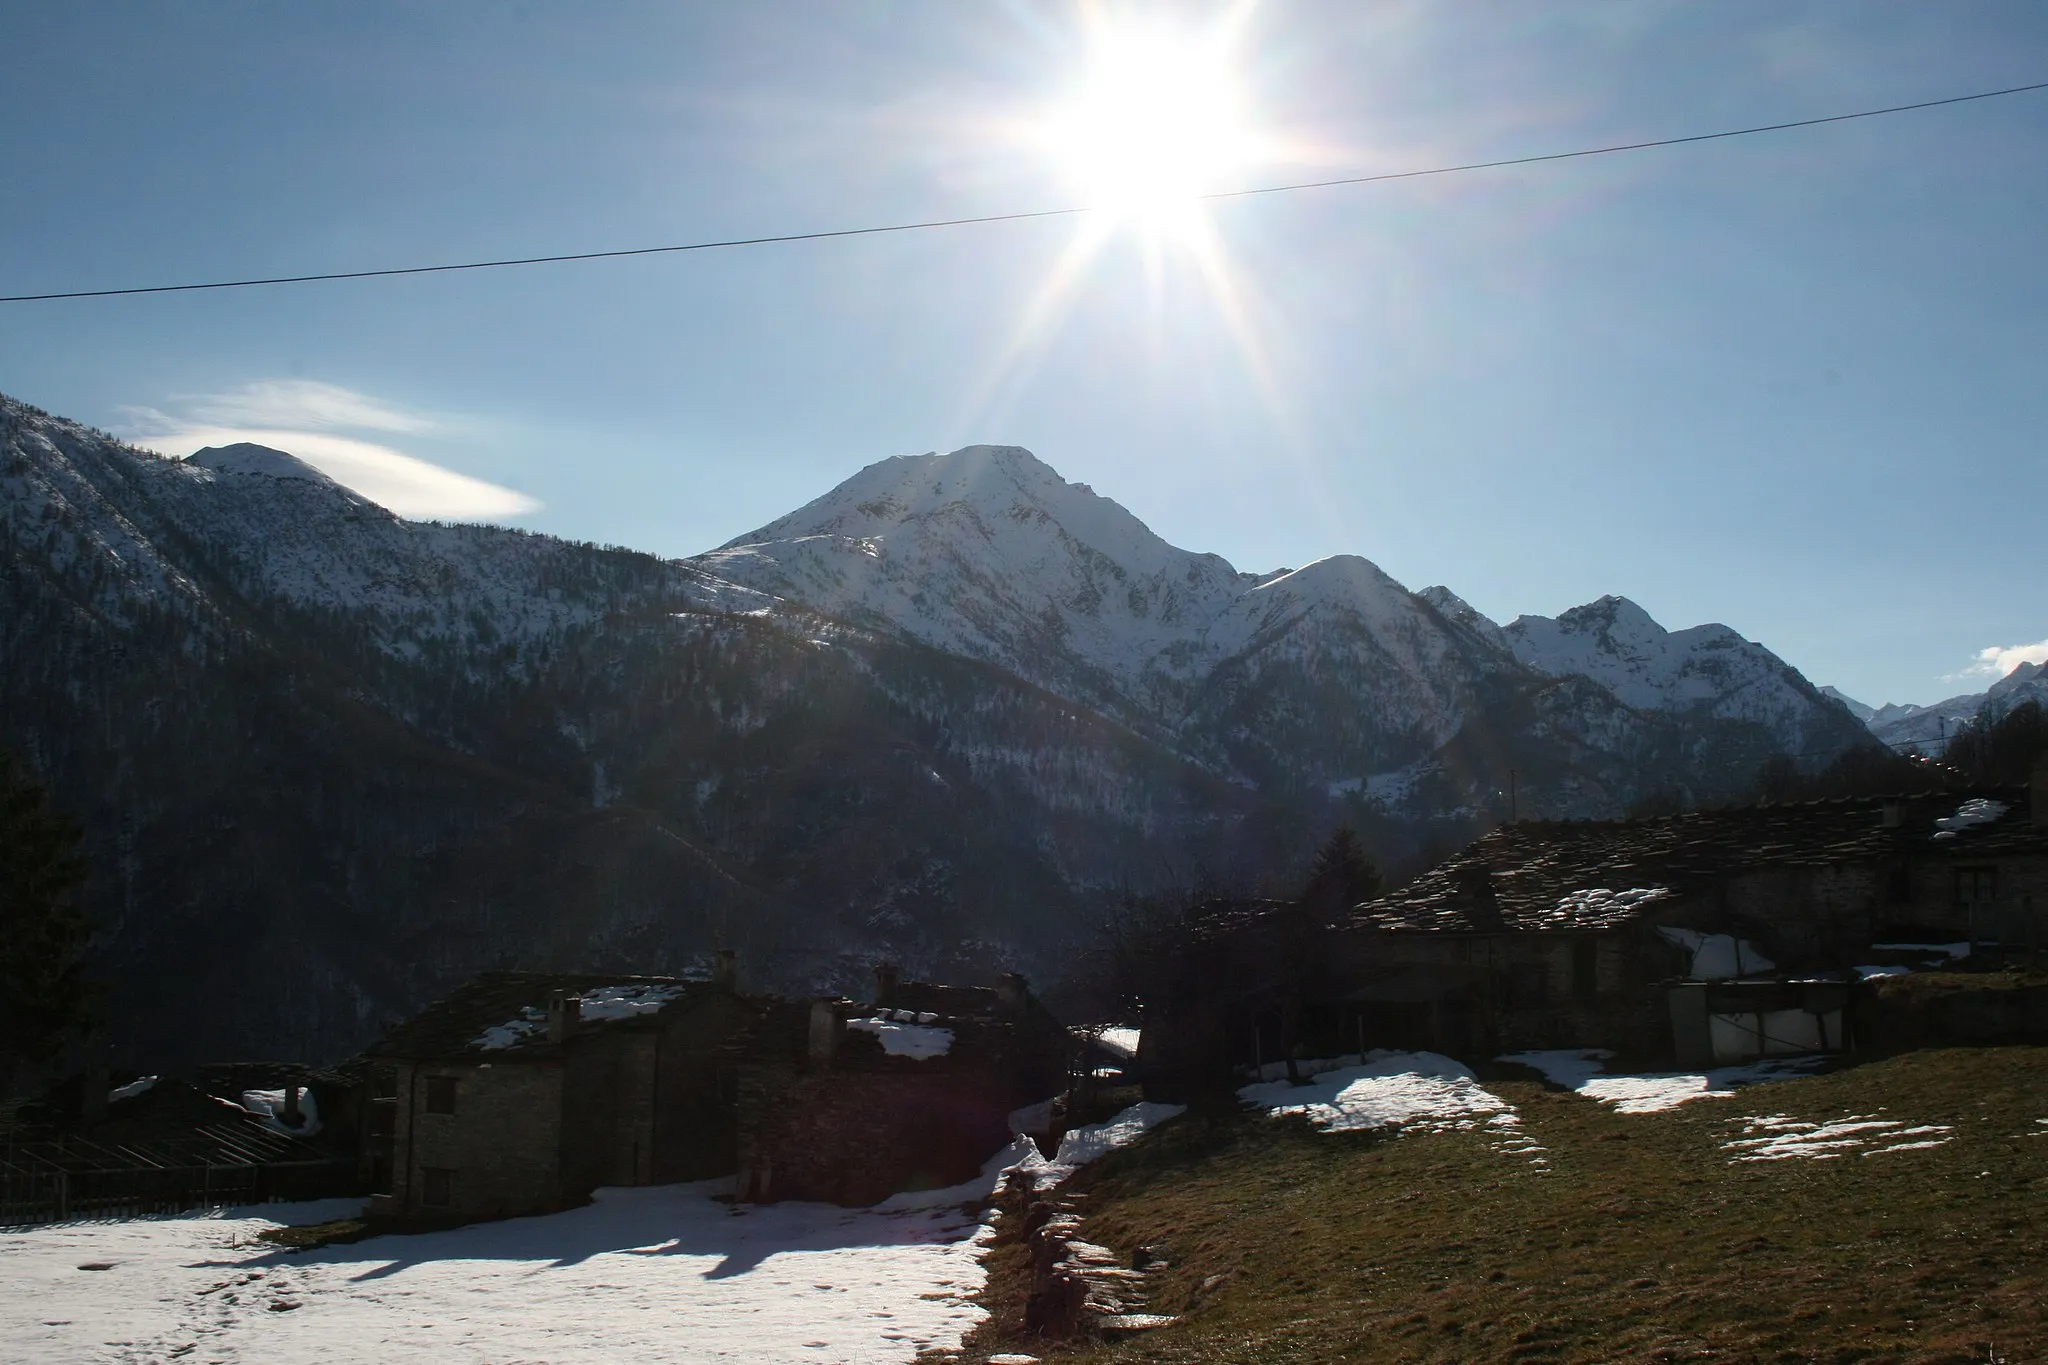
(849, 1103)
(524, 1091)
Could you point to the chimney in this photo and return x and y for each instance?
(565, 1012)
(1013, 991)
(1894, 813)
(290, 1117)
(726, 974)
(824, 1033)
(885, 982)
(2037, 792)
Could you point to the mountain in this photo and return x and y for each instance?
(1855, 708)
(1331, 675)
(330, 761)
(1929, 727)
(1706, 671)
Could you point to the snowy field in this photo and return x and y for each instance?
(640, 1275)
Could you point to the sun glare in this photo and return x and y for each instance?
(1158, 119)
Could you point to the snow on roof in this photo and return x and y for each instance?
(902, 1036)
(1980, 810)
(599, 1004)
(1119, 1042)
(142, 1085)
(1598, 906)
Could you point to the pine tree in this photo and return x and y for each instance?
(44, 997)
(1342, 875)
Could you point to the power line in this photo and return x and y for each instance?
(1026, 215)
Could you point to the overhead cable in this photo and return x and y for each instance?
(1023, 216)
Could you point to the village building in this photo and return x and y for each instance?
(523, 1091)
(1695, 938)
(849, 1102)
(1710, 935)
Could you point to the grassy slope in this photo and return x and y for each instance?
(1642, 1242)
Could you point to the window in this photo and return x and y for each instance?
(1976, 885)
(383, 1119)
(440, 1094)
(437, 1187)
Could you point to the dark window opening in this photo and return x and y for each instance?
(383, 1119)
(440, 1094)
(1976, 885)
(437, 1187)
(1586, 968)
(380, 1175)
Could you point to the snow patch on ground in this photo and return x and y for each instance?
(920, 1042)
(1778, 1137)
(1583, 1071)
(1084, 1144)
(1398, 1090)
(643, 1274)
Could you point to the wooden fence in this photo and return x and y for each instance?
(74, 1177)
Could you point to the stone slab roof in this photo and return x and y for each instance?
(448, 1029)
(1539, 875)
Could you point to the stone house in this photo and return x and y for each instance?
(848, 1103)
(1706, 935)
(524, 1091)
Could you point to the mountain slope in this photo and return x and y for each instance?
(331, 761)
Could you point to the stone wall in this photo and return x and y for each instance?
(501, 1147)
(854, 1136)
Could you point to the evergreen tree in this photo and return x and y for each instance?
(1341, 876)
(44, 998)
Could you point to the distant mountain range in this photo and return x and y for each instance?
(1929, 728)
(331, 761)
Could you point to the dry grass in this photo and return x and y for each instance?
(1641, 1242)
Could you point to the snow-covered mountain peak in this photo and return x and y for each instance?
(245, 457)
(1460, 612)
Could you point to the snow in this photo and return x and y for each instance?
(1977, 811)
(1866, 973)
(1084, 1144)
(268, 1105)
(1597, 906)
(140, 1086)
(1385, 1090)
(921, 1042)
(1122, 1042)
(1583, 1071)
(1716, 957)
(599, 1005)
(1777, 1137)
(644, 1274)
(247, 458)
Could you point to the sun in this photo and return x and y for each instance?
(1157, 119)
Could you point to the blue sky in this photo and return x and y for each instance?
(1792, 383)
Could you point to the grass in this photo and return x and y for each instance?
(1641, 1242)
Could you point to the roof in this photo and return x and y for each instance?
(503, 1015)
(1550, 875)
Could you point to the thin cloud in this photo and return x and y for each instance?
(1995, 661)
(308, 419)
(300, 405)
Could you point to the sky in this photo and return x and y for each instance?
(1791, 383)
